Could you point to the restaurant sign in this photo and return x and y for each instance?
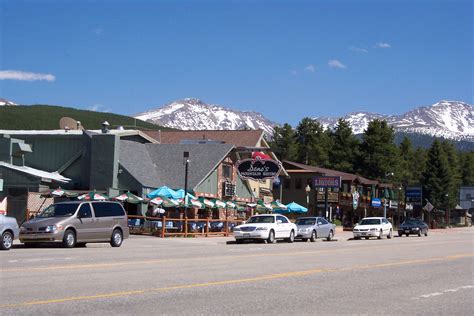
(327, 182)
(258, 169)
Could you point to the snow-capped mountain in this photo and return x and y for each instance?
(193, 114)
(4, 102)
(447, 119)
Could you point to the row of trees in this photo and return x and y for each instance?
(441, 169)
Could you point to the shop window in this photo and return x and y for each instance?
(227, 171)
(298, 183)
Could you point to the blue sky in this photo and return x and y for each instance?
(285, 59)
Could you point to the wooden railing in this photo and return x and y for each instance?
(160, 226)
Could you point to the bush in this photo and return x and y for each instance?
(337, 222)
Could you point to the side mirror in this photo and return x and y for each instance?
(279, 221)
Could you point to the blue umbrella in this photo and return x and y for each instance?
(296, 208)
(164, 191)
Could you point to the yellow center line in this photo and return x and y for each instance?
(227, 257)
(238, 281)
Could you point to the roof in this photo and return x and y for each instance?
(238, 138)
(44, 175)
(155, 165)
(328, 172)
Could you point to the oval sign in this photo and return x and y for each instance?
(258, 169)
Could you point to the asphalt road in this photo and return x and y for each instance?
(175, 276)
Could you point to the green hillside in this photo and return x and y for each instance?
(46, 117)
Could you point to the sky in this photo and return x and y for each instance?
(285, 59)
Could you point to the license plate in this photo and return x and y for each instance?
(246, 235)
(407, 231)
(363, 234)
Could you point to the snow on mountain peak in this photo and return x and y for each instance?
(4, 102)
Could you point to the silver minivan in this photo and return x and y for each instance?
(77, 223)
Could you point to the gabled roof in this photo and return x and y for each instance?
(155, 165)
(44, 175)
(294, 166)
(238, 138)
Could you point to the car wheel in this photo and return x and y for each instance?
(380, 235)
(69, 239)
(389, 236)
(7, 241)
(419, 233)
(117, 238)
(330, 236)
(313, 236)
(426, 232)
(292, 237)
(271, 237)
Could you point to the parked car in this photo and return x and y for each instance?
(269, 227)
(314, 227)
(9, 231)
(77, 223)
(413, 226)
(373, 227)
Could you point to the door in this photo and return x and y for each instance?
(324, 226)
(85, 225)
(103, 220)
(283, 227)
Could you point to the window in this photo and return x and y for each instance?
(104, 209)
(85, 211)
(298, 183)
(468, 196)
(286, 183)
(384, 221)
(282, 219)
(324, 222)
(227, 171)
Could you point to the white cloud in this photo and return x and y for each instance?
(25, 76)
(334, 63)
(358, 49)
(383, 45)
(310, 68)
(98, 108)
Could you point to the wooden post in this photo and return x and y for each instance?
(226, 224)
(186, 226)
(163, 227)
(207, 227)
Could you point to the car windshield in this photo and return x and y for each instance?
(411, 222)
(261, 219)
(305, 221)
(370, 221)
(58, 210)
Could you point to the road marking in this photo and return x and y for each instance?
(465, 287)
(235, 281)
(227, 257)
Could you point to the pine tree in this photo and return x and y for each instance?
(437, 177)
(313, 143)
(467, 168)
(454, 170)
(284, 142)
(345, 147)
(378, 153)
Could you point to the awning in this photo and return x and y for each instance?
(44, 175)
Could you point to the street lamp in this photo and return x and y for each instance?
(307, 190)
(186, 163)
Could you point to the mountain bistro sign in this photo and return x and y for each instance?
(258, 169)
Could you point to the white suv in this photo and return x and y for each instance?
(373, 227)
(267, 227)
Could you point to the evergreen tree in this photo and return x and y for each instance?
(467, 168)
(378, 153)
(313, 143)
(454, 170)
(437, 177)
(284, 142)
(345, 147)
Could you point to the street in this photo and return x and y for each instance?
(176, 276)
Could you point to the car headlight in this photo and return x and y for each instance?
(22, 229)
(373, 229)
(53, 228)
(262, 228)
(417, 228)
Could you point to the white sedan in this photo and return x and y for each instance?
(373, 227)
(268, 227)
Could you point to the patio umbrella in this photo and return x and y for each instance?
(59, 193)
(180, 195)
(165, 202)
(219, 204)
(277, 205)
(296, 208)
(164, 191)
(93, 196)
(207, 202)
(129, 198)
(231, 204)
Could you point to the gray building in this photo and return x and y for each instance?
(466, 198)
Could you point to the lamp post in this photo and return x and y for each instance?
(186, 163)
(307, 190)
(447, 212)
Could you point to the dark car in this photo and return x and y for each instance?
(413, 226)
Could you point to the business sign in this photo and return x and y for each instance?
(327, 182)
(414, 195)
(393, 204)
(258, 169)
(376, 202)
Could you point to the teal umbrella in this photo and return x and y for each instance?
(296, 208)
(164, 191)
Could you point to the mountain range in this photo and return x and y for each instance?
(446, 119)
(4, 102)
